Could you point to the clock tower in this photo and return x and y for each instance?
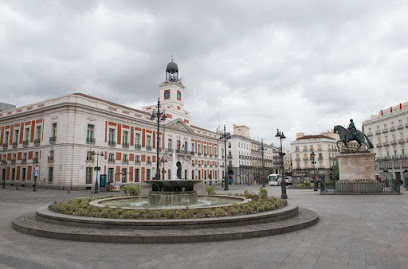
(172, 95)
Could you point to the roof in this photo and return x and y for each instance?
(314, 137)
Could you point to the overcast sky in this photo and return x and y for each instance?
(300, 66)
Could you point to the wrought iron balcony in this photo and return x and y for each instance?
(138, 146)
(379, 145)
(386, 144)
(13, 161)
(148, 148)
(392, 129)
(401, 140)
(37, 142)
(15, 144)
(90, 159)
(35, 160)
(400, 126)
(111, 160)
(23, 160)
(205, 154)
(125, 161)
(229, 156)
(125, 145)
(90, 140)
(192, 153)
(111, 143)
(50, 159)
(137, 161)
(378, 132)
(403, 156)
(368, 134)
(5, 145)
(148, 162)
(385, 130)
(53, 139)
(199, 153)
(25, 143)
(393, 142)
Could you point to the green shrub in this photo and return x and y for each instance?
(307, 184)
(250, 195)
(131, 190)
(219, 212)
(210, 190)
(263, 193)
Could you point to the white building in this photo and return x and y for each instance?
(60, 135)
(325, 150)
(388, 131)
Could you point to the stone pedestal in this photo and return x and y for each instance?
(356, 165)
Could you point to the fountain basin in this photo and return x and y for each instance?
(172, 198)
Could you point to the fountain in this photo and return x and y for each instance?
(173, 192)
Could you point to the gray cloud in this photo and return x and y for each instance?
(293, 65)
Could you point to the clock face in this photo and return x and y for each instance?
(166, 94)
(179, 95)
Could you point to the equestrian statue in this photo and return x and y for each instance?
(350, 134)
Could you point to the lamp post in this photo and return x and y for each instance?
(314, 170)
(281, 136)
(160, 116)
(97, 153)
(263, 174)
(5, 172)
(225, 136)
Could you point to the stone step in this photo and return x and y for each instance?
(30, 225)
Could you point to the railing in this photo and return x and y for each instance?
(383, 186)
(5, 145)
(377, 132)
(385, 130)
(205, 154)
(370, 134)
(125, 145)
(111, 143)
(394, 157)
(229, 156)
(149, 162)
(199, 154)
(400, 126)
(23, 160)
(403, 156)
(35, 160)
(15, 144)
(37, 141)
(50, 159)
(192, 153)
(125, 161)
(401, 140)
(138, 146)
(25, 143)
(90, 140)
(149, 148)
(392, 128)
(13, 161)
(378, 145)
(53, 139)
(386, 144)
(111, 160)
(90, 158)
(137, 161)
(406, 125)
(393, 142)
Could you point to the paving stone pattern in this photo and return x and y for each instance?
(354, 231)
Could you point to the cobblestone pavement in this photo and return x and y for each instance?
(353, 232)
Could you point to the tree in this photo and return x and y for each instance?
(335, 172)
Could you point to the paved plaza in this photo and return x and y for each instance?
(353, 232)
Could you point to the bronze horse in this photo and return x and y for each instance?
(358, 136)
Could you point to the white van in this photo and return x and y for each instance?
(274, 179)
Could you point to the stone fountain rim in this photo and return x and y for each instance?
(97, 203)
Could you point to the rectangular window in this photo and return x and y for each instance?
(148, 174)
(88, 179)
(50, 174)
(23, 174)
(124, 175)
(192, 174)
(148, 141)
(54, 130)
(111, 138)
(137, 175)
(137, 159)
(137, 140)
(199, 149)
(38, 132)
(6, 140)
(27, 133)
(215, 175)
(90, 133)
(199, 174)
(16, 136)
(13, 174)
(169, 144)
(185, 146)
(169, 174)
(110, 175)
(111, 157)
(125, 137)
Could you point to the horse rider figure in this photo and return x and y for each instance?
(351, 130)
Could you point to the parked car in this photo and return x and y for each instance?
(275, 180)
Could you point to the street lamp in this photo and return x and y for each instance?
(160, 116)
(263, 174)
(225, 136)
(314, 170)
(5, 172)
(281, 136)
(97, 153)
